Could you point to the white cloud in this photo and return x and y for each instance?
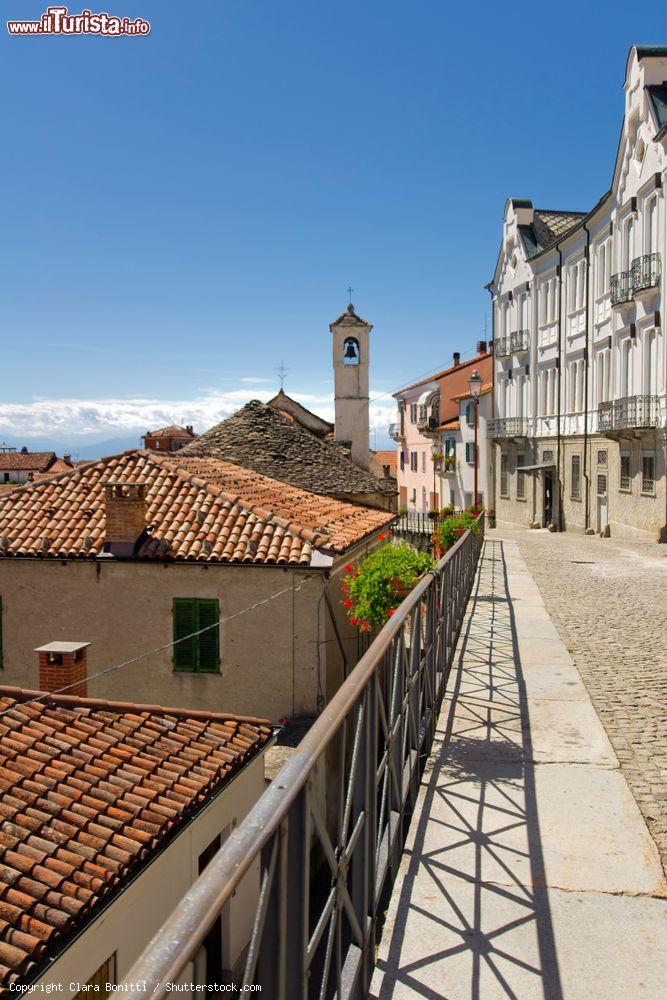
(114, 417)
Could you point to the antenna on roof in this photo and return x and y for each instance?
(281, 372)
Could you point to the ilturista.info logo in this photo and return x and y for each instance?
(58, 21)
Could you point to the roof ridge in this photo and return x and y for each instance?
(7, 690)
(446, 371)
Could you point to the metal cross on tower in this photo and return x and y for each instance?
(281, 372)
(349, 292)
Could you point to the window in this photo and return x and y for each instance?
(351, 352)
(603, 268)
(470, 451)
(602, 457)
(651, 226)
(196, 653)
(470, 414)
(648, 474)
(602, 485)
(423, 461)
(450, 447)
(624, 480)
(547, 456)
(99, 981)
(520, 478)
(413, 498)
(413, 461)
(413, 413)
(575, 485)
(402, 461)
(503, 476)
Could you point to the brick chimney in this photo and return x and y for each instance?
(481, 347)
(457, 359)
(125, 511)
(62, 664)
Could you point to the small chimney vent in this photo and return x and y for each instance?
(457, 359)
(64, 665)
(481, 347)
(125, 510)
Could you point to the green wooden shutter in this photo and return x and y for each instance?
(184, 613)
(208, 660)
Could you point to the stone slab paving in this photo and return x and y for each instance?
(529, 870)
(608, 600)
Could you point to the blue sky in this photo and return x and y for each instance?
(183, 211)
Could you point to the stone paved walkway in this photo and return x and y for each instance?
(529, 871)
(608, 600)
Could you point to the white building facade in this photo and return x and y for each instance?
(580, 368)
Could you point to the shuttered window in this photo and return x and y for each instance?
(470, 451)
(198, 653)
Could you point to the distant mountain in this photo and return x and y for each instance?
(79, 451)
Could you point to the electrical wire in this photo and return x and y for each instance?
(391, 392)
(159, 649)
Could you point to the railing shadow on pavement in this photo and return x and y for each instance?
(474, 893)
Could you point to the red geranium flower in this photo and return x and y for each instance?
(349, 567)
(348, 603)
(354, 621)
(391, 612)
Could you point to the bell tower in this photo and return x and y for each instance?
(351, 357)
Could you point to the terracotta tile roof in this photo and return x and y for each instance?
(173, 431)
(486, 387)
(388, 457)
(197, 509)
(26, 461)
(91, 791)
(262, 438)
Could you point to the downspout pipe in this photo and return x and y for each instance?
(559, 514)
(587, 478)
(492, 451)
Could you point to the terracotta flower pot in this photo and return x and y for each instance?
(399, 588)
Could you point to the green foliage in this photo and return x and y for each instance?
(370, 588)
(402, 511)
(449, 530)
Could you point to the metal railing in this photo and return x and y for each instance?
(645, 272)
(520, 341)
(316, 928)
(507, 427)
(628, 413)
(502, 347)
(621, 288)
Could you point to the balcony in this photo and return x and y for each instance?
(631, 413)
(502, 347)
(427, 419)
(519, 342)
(621, 288)
(504, 428)
(645, 273)
(397, 431)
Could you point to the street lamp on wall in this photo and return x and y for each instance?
(475, 386)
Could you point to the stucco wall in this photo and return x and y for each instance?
(630, 514)
(130, 921)
(268, 656)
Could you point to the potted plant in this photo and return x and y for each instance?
(374, 589)
(451, 529)
(450, 462)
(433, 515)
(402, 511)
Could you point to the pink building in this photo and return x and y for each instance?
(434, 436)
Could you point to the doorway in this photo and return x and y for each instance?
(548, 499)
(603, 517)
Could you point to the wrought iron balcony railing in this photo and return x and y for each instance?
(326, 837)
(508, 427)
(502, 347)
(397, 431)
(645, 272)
(628, 413)
(621, 288)
(519, 341)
